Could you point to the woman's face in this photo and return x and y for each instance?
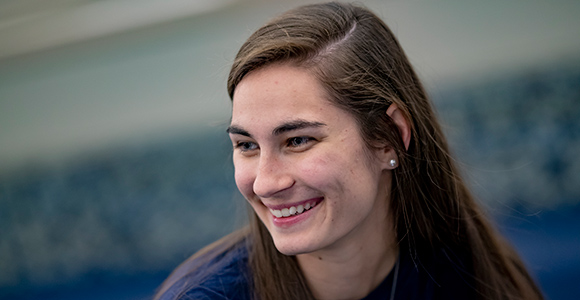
(302, 164)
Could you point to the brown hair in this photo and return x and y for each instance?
(361, 65)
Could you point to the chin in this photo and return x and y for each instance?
(289, 246)
(290, 251)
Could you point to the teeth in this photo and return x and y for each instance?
(285, 212)
(300, 209)
(292, 211)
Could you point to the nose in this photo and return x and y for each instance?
(272, 176)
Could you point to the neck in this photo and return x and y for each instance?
(350, 271)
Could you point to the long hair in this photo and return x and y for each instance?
(364, 70)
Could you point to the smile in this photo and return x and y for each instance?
(294, 210)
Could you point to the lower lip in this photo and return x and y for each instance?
(285, 222)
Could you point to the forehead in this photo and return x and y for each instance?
(280, 93)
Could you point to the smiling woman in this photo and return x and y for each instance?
(305, 168)
(353, 190)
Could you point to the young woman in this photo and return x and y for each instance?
(353, 189)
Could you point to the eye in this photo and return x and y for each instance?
(299, 141)
(246, 146)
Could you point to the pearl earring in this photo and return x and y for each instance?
(393, 163)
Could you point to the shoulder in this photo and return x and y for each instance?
(441, 275)
(214, 275)
(454, 278)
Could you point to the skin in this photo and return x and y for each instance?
(293, 145)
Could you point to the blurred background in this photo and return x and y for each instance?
(115, 165)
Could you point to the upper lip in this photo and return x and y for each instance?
(288, 205)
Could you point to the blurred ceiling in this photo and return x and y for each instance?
(32, 25)
(79, 75)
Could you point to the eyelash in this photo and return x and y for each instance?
(291, 142)
(242, 146)
(305, 139)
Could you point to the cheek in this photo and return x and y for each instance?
(321, 170)
(341, 173)
(244, 178)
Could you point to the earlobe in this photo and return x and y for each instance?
(389, 159)
(399, 118)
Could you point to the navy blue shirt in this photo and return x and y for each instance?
(224, 277)
(227, 276)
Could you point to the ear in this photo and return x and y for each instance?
(397, 116)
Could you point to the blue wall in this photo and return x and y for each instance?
(114, 224)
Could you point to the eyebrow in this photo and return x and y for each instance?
(233, 129)
(288, 126)
(295, 125)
